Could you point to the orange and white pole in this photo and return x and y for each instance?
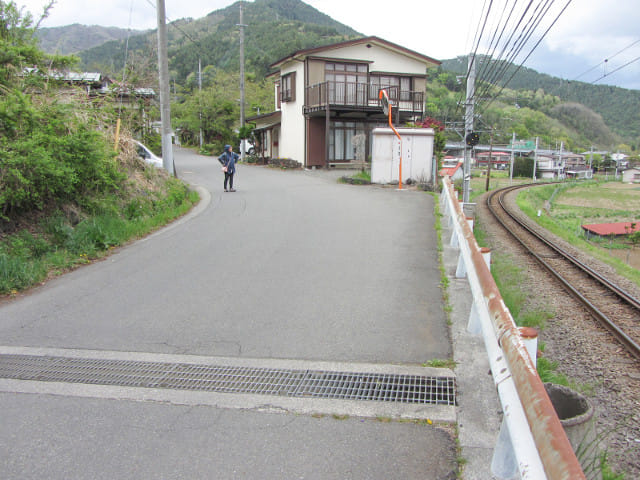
(386, 105)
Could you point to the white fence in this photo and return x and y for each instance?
(532, 442)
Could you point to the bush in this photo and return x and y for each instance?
(53, 159)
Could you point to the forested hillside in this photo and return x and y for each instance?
(618, 107)
(275, 29)
(75, 38)
(533, 104)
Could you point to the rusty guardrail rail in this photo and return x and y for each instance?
(532, 441)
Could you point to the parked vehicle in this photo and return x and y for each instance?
(147, 155)
(248, 146)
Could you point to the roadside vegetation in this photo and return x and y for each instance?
(564, 208)
(66, 195)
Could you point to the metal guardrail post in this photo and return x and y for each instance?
(534, 443)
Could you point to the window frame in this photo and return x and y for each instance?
(288, 87)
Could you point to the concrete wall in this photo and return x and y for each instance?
(417, 155)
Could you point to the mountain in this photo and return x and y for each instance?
(619, 107)
(274, 29)
(75, 38)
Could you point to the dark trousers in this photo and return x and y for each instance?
(228, 177)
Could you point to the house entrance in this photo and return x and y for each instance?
(342, 141)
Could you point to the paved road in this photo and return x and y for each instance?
(292, 266)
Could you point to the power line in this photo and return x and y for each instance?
(606, 60)
(529, 54)
(529, 28)
(614, 71)
(476, 41)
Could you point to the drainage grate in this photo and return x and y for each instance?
(224, 379)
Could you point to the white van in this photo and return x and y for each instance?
(147, 155)
(247, 145)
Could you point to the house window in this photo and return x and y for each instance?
(341, 141)
(288, 87)
(395, 85)
(347, 82)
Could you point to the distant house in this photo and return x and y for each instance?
(579, 172)
(454, 172)
(631, 175)
(327, 100)
(611, 229)
(94, 84)
(499, 160)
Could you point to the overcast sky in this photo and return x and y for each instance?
(587, 33)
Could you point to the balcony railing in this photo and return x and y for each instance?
(359, 95)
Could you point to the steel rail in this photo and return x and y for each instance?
(631, 346)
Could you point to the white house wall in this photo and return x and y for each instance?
(291, 144)
(384, 59)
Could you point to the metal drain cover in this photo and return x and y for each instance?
(414, 389)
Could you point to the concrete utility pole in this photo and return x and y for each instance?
(490, 159)
(242, 25)
(513, 157)
(535, 161)
(468, 126)
(165, 93)
(200, 91)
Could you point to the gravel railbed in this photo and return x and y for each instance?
(586, 352)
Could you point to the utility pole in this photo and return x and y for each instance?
(535, 160)
(486, 188)
(560, 162)
(165, 93)
(513, 142)
(242, 25)
(468, 126)
(200, 92)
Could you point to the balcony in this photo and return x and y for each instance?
(359, 96)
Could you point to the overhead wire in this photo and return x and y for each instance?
(614, 71)
(517, 45)
(489, 82)
(493, 63)
(126, 54)
(528, 55)
(491, 52)
(606, 60)
(476, 41)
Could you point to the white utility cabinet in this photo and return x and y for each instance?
(417, 155)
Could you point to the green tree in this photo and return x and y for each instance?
(50, 150)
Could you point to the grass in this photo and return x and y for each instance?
(361, 178)
(444, 278)
(438, 363)
(58, 243)
(559, 215)
(508, 277)
(607, 471)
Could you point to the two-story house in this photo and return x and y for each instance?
(327, 99)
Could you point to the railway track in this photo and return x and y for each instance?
(610, 304)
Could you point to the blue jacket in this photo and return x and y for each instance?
(228, 159)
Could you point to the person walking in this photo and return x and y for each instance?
(228, 160)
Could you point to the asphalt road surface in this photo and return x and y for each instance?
(292, 267)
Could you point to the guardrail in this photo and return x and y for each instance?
(532, 442)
